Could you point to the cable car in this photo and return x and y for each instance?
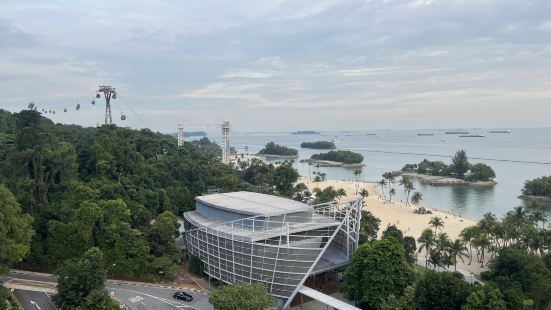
(45, 112)
(78, 106)
(53, 112)
(123, 117)
(97, 95)
(93, 102)
(114, 96)
(65, 110)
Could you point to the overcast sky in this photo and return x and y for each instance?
(282, 64)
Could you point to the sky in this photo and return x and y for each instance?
(281, 65)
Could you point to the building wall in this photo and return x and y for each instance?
(280, 269)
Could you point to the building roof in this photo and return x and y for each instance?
(253, 203)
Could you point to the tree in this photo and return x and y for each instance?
(527, 270)
(377, 269)
(436, 222)
(99, 300)
(241, 296)
(487, 297)
(77, 279)
(391, 193)
(426, 241)
(457, 249)
(284, 178)
(481, 172)
(357, 174)
(162, 233)
(370, 224)
(441, 290)
(382, 183)
(15, 231)
(460, 163)
(416, 198)
(407, 184)
(364, 193)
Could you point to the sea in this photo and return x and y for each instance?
(518, 156)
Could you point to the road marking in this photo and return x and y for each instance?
(136, 299)
(172, 303)
(34, 303)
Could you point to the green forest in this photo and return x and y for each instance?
(115, 189)
(540, 187)
(347, 157)
(322, 145)
(275, 149)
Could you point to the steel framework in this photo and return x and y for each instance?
(226, 142)
(280, 250)
(108, 93)
(180, 135)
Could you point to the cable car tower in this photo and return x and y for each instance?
(180, 135)
(108, 93)
(226, 142)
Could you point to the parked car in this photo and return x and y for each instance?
(182, 296)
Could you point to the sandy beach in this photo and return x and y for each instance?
(399, 214)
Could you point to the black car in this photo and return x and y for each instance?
(182, 296)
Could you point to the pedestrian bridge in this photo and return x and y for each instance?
(326, 299)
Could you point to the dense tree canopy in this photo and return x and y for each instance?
(15, 231)
(346, 157)
(538, 187)
(441, 290)
(241, 296)
(275, 149)
(378, 269)
(323, 145)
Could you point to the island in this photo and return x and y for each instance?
(321, 145)
(273, 150)
(194, 134)
(340, 158)
(305, 132)
(538, 189)
(459, 172)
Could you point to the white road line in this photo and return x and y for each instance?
(34, 303)
(166, 301)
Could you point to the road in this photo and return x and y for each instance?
(34, 300)
(30, 293)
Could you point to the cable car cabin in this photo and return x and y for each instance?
(123, 117)
(114, 96)
(65, 110)
(93, 102)
(53, 112)
(97, 95)
(78, 106)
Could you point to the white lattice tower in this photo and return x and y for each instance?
(180, 135)
(225, 142)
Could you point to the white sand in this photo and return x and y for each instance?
(399, 214)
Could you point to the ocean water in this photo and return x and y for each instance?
(516, 157)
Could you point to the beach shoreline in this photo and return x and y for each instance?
(402, 216)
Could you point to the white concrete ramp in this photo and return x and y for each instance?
(326, 299)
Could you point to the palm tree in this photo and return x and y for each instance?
(426, 241)
(436, 222)
(391, 192)
(389, 177)
(457, 249)
(406, 183)
(357, 174)
(382, 183)
(468, 235)
(341, 192)
(364, 193)
(416, 198)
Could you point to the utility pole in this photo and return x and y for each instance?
(180, 135)
(108, 93)
(225, 142)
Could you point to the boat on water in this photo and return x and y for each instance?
(501, 131)
(457, 132)
(472, 136)
(425, 134)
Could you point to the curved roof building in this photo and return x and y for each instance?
(252, 237)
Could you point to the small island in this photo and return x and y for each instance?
(194, 134)
(538, 189)
(274, 150)
(320, 145)
(459, 172)
(340, 158)
(305, 132)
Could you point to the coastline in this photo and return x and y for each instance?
(329, 163)
(535, 198)
(399, 214)
(447, 181)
